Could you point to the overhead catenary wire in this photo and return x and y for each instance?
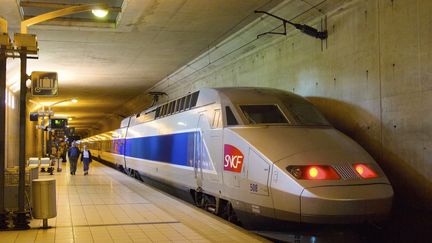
(210, 62)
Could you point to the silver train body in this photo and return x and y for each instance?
(255, 155)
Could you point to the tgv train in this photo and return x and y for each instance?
(254, 155)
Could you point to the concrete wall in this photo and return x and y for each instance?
(371, 77)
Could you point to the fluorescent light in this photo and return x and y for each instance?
(60, 115)
(74, 100)
(100, 12)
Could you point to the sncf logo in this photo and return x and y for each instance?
(233, 159)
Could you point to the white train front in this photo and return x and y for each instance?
(256, 155)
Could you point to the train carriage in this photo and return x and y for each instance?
(256, 155)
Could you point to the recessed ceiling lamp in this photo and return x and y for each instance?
(100, 13)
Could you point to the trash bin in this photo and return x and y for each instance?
(44, 199)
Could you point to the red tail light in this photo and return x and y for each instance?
(365, 171)
(314, 172)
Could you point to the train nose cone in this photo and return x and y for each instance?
(277, 143)
(346, 204)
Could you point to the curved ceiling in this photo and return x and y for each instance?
(105, 65)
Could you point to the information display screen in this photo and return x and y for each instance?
(58, 123)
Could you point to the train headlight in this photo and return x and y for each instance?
(313, 172)
(365, 171)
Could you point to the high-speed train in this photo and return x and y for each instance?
(259, 156)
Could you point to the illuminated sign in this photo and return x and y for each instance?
(44, 84)
(233, 159)
(58, 123)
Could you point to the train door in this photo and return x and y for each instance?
(258, 174)
(124, 143)
(198, 149)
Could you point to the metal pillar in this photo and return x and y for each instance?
(3, 223)
(21, 216)
(49, 143)
(43, 134)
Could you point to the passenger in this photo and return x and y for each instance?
(73, 155)
(86, 159)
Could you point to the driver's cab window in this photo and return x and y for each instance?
(231, 120)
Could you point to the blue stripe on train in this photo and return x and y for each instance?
(173, 148)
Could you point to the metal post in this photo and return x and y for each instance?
(3, 223)
(21, 218)
(49, 149)
(42, 134)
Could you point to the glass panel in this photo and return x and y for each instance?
(258, 114)
(177, 107)
(182, 103)
(304, 112)
(231, 120)
(187, 105)
(194, 99)
(172, 104)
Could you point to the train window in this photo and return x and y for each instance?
(304, 113)
(182, 103)
(158, 111)
(194, 99)
(168, 109)
(258, 114)
(172, 104)
(165, 109)
(162, 110)
(187, 104)
(231, 120)
(177, 105)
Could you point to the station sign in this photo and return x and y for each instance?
(58, 123)
(44, 83)
(34, 116)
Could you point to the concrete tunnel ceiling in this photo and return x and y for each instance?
(104, 67)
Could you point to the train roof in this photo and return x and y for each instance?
(206, 96)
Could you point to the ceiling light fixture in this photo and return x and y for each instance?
(100, 13)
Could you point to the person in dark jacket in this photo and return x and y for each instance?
(86, 159)
(73, 155)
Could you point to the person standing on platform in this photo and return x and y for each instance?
(73, 155)
(86, 159)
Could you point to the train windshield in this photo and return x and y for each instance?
(304, 113)
(263, 114)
